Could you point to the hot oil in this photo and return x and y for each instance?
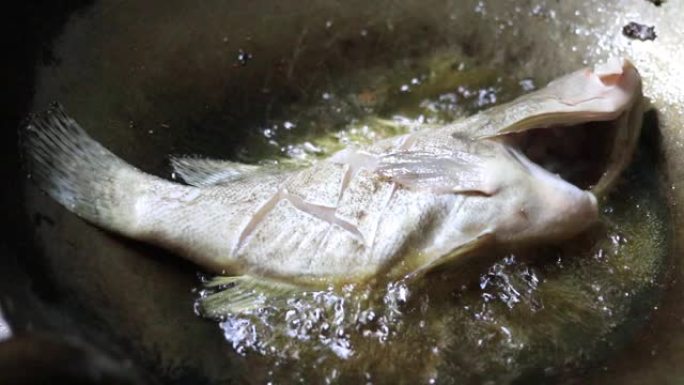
(379, 102)
(526, 316)
(152, 79)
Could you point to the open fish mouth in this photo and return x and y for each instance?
(583, 127)
(580, 154)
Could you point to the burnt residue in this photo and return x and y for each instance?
(657, 3)
(243, 57)
(642, 32)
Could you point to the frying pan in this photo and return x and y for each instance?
(168, 77)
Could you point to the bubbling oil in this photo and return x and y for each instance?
(525, 316)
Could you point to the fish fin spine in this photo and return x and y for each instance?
(225, 295)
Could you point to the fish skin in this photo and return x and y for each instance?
(405, 201)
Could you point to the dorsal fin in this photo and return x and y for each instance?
(201, 172)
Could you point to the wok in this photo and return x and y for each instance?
(147, 72)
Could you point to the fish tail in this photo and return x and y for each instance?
(78, 172)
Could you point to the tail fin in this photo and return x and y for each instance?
(98, 186)
(78, 172)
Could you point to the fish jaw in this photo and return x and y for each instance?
(610, 92)
(601, 93)
(560, 211)
(541, 207)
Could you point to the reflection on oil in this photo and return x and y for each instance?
(143, 74)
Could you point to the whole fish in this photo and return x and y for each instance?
(399, 207)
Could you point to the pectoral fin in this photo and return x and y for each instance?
(239, 294)
(457, 172)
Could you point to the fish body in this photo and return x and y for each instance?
(400, 206)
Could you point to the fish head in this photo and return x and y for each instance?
(591, 118)
(562, 146)
(511, 201)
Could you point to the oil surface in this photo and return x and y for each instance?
(257, 82)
